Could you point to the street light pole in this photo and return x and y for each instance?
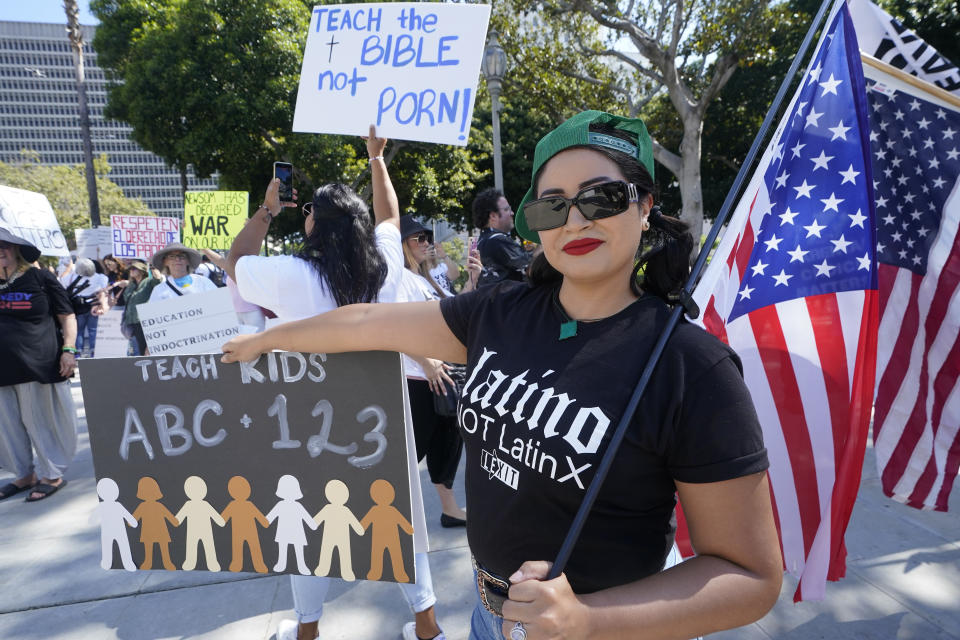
(76, 41)
(494, 67)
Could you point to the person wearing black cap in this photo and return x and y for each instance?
(551, 367)
(37, 413)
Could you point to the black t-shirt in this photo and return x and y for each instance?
(29, 344)
(537, 413)
(502, 258)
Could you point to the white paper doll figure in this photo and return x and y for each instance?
(337, 520)
(113, 518)
(290, 516)
(198, 515)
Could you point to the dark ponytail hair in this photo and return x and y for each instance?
(664, 253)
(341, 247)
(665, 256)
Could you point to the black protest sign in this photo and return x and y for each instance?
(296, 463)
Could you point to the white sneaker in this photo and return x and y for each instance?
(287, 630)
(410, 633)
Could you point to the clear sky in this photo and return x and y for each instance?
(42, 11)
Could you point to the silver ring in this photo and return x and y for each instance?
(518, 632)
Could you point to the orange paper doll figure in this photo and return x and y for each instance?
(153, 518)
(384, 519)
(244, 517)
(337, 520)
(290, 516)
(198, 516)
(113, 517)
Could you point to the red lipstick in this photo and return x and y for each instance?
(581, 246)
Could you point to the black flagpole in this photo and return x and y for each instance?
(686, 303)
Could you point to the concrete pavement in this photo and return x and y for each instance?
(903, 581)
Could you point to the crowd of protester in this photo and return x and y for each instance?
(551, 306)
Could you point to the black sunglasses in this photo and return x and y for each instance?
(596, 201)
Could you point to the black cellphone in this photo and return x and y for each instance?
(284, 171)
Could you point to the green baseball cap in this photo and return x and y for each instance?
(575, 132)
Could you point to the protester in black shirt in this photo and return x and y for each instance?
(502, 257)
(36, 407)
(550, 368)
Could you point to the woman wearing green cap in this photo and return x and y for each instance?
(551, 366)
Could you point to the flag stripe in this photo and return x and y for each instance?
(946, 305)
(886, 277)
(850, 462)
(891, 322)
(745, 247)
(775, 357)
(896, 367)
(782, 484)
(713, 322)
(825, 320)
(952, 462)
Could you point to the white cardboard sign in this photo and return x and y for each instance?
(94, 243)
(189, 324)
(110, 340)
(410, 68)
(29, 215)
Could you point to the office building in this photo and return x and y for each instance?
(39, 111)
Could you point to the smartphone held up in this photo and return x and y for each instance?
(284, 172)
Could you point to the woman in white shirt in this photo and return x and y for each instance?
(345, 260)
(177, 263)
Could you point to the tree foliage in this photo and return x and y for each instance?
(213, 83)
(666, 61)
(65, 186)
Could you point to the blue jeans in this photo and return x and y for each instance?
(87, 331)
(309, 592)
(483, 624)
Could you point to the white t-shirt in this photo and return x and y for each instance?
(415, 288)
(94, 283)
(289, 286)
(439, 274)
(198, 284)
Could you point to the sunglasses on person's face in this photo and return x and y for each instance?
(594, 202)
(421, 238)
(177, 256)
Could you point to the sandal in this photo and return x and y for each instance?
(11, 489)
(46, 490)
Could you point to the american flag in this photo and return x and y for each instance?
(915, 143)
(792, 288)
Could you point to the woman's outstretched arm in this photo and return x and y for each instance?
(415, 328)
